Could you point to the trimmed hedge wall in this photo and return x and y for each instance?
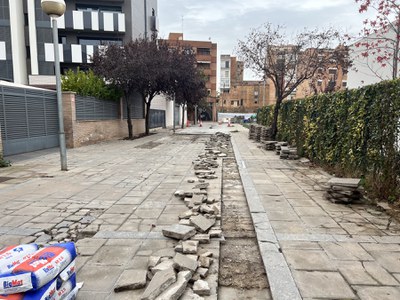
(352, 133)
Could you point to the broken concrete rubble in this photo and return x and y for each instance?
(185, 263)
(159, 283)
(176, 290)
(131, 280)
(201, 287)
(202, 223)
(189, 247)
(179, 232)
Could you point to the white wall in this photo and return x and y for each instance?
(366, 70)
(17, 22)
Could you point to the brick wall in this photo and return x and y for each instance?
(80, 133)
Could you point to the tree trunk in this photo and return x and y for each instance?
(274, 125)
(183, 116)
(147, 117)
(128, 114)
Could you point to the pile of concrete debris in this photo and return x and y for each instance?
(184, 274)
(344, 190)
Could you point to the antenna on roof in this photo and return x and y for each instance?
(182, 26)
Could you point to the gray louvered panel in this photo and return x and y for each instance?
(29, 119)
(15, 117)
(157, 118)
(90, 108)
(36, 117)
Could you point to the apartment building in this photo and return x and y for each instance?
(236, 94)
(206, 56)
(26, 45)
(330, 65)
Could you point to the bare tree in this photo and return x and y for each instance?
(287, 61)
(189, 87)
(141, 66)
(380, 36)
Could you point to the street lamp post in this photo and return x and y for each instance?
(55, 9)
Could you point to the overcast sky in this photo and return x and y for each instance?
(226, 21)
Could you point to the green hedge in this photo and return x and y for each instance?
(352, 133)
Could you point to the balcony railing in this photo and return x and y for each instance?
(92, 21)
(70, 53)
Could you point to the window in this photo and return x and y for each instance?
(226, 73)
(203, 51)
(232, 102)
(93, 7)
(332, 71)
(97, 41)
(344, 84)
(227, 64)
(319, 82)
(203, 65)
(62, 40)
(241, 102)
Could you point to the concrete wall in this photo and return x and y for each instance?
(80, 133)
(365, 70)
(1, 145)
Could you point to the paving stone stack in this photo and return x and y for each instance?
(265, 133)
(184, 271)
(344, 190)
(269, 145)
(288, 153)
(258, 133)
(278, 147)
(252, 131)
(255, 132)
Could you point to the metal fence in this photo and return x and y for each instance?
(157, 118)
(90, 108)
(28, 119)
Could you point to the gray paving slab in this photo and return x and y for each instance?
(280, 279)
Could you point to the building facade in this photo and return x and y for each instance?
(236, 94)
(206, 57)
(26, 45)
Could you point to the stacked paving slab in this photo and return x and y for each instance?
(183, 274)
(288, 153)
(344, 190)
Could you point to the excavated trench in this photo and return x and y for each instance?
(241, 271)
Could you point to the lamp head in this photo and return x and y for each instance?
(53, 8)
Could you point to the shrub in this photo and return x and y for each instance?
(88, 84)
(353, 132)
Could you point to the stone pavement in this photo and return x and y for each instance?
(116, 198)
(333, 251)
(119, 196)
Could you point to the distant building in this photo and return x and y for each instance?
(26, 43)
(206, 56)
(236, 94)
(330, 78)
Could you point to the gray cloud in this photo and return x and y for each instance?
(226, 22)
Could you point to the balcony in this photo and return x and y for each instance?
(70, 53)
(92, 21)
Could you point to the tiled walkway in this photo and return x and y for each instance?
(333, 251)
